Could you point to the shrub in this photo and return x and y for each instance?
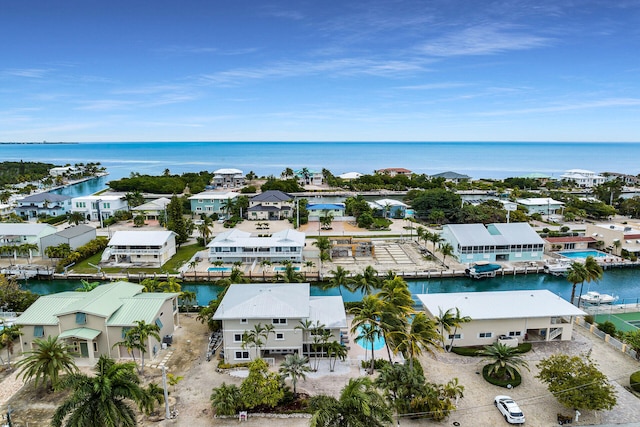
(83, 252)
(466, 351)
(53, 220)
(589, 319)
(608, 328)
(377, 364)
(634, 381)
(500, 382)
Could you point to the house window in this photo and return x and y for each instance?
(242, 355)
(81, 318)
(159, 323)
(279, 336)
(38, 331)
(95, 347)
(237, 337)
(243, 321)
(455, 336)
(279, 321)
(515, 333)
(485, 334)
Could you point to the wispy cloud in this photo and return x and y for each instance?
(34, 73)
(434, 86)
(603, 103)
(203, 50)
(483, 40)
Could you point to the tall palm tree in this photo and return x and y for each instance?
(338, 279)
(365, 282)
(503, 360)
(87, 286)
(138, 336)
(335, 351)
(576, 273)
(360, 404)
(188, 298)
(75, 217)
(291, 275)
(396, 309)
(205, 229)
(324, 245)
(449, 322)
(45, 362)
(446, 250)
(101, 399)
(421, 335)
(369, 333)
(594, 272)
(8, 335)
(294, 367)
(435, 239)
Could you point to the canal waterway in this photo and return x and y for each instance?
(623, 283)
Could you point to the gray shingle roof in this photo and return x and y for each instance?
(272, 196)
(75, 231)
(41, 197)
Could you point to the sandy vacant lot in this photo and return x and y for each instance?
(191, 396)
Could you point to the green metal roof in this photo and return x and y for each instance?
(145, 306)
(104, 300)
(82, 333)
(45, 309)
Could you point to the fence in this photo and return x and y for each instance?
(614, 342)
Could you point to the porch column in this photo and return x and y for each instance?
(92, 357)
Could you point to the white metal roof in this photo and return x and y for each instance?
(156, 204)
(208, 195)
(265, 301)
(350, 175)
(102, 197)
(390, 202)
(137, 238)
(538, 201)
(235, 238)
(328, 310)
(500, 304)
(228, 171)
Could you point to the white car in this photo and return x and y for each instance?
(509, 409)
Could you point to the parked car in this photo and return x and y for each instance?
(509, 409)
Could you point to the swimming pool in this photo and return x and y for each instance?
(285, 268)
(582, 254)
(219, 269)
(378, 343)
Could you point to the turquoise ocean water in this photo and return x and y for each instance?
(477, 159)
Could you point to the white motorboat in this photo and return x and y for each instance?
(558, 268)
(593, 297)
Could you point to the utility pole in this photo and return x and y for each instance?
(166, 392)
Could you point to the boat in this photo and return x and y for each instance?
(557, 268)
(593, 297)
(482, 270)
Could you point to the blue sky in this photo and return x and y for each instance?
(446, 70)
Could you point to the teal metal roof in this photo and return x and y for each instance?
(104, 300)
(82, 333)
(144, 306)
(45, 309)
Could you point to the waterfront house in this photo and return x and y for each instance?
(452, 177)
(389, 208)
(583, 178)
(74, 236)
(564, 243)
(532, 315)
(541, 205)
(227, 178)
(270, 205)
(237, 245)
(628, 180)
(350, 176)
(6, 209)
(92, 322)
(62, 171)
(285, 306)
(308, 177)
(318, 210)
(394, 171)
(495, 242)
(151, 248)
(99, 208)
(43, 204)
(616, 237)
(210, 203)
(153, 209)
(15, 235)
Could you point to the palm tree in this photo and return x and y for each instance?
(594, 272)
(87, 286)
(291, 275)
(446, 250)
(75, 217)
(369, 333)
(306, 326)
(576, 273)
(188, 298)
(435, 239)
(205, 230)
(7, 337)
(396, 309)
(365, 282)
(503, 360)
(226, 399)
(101, 399)
(324, 245)
(335, 351)
(422, 334)
(449, 322)
(45, 362)
(136, 339)
(237, 276)
(360, 404)
(227, 207)
(338, 278)
(296, 367)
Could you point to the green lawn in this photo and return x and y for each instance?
(183, 255)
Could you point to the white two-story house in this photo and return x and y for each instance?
(237, 245)
(47, 204)
(285, 306)
(97, 208)
(152, 248)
